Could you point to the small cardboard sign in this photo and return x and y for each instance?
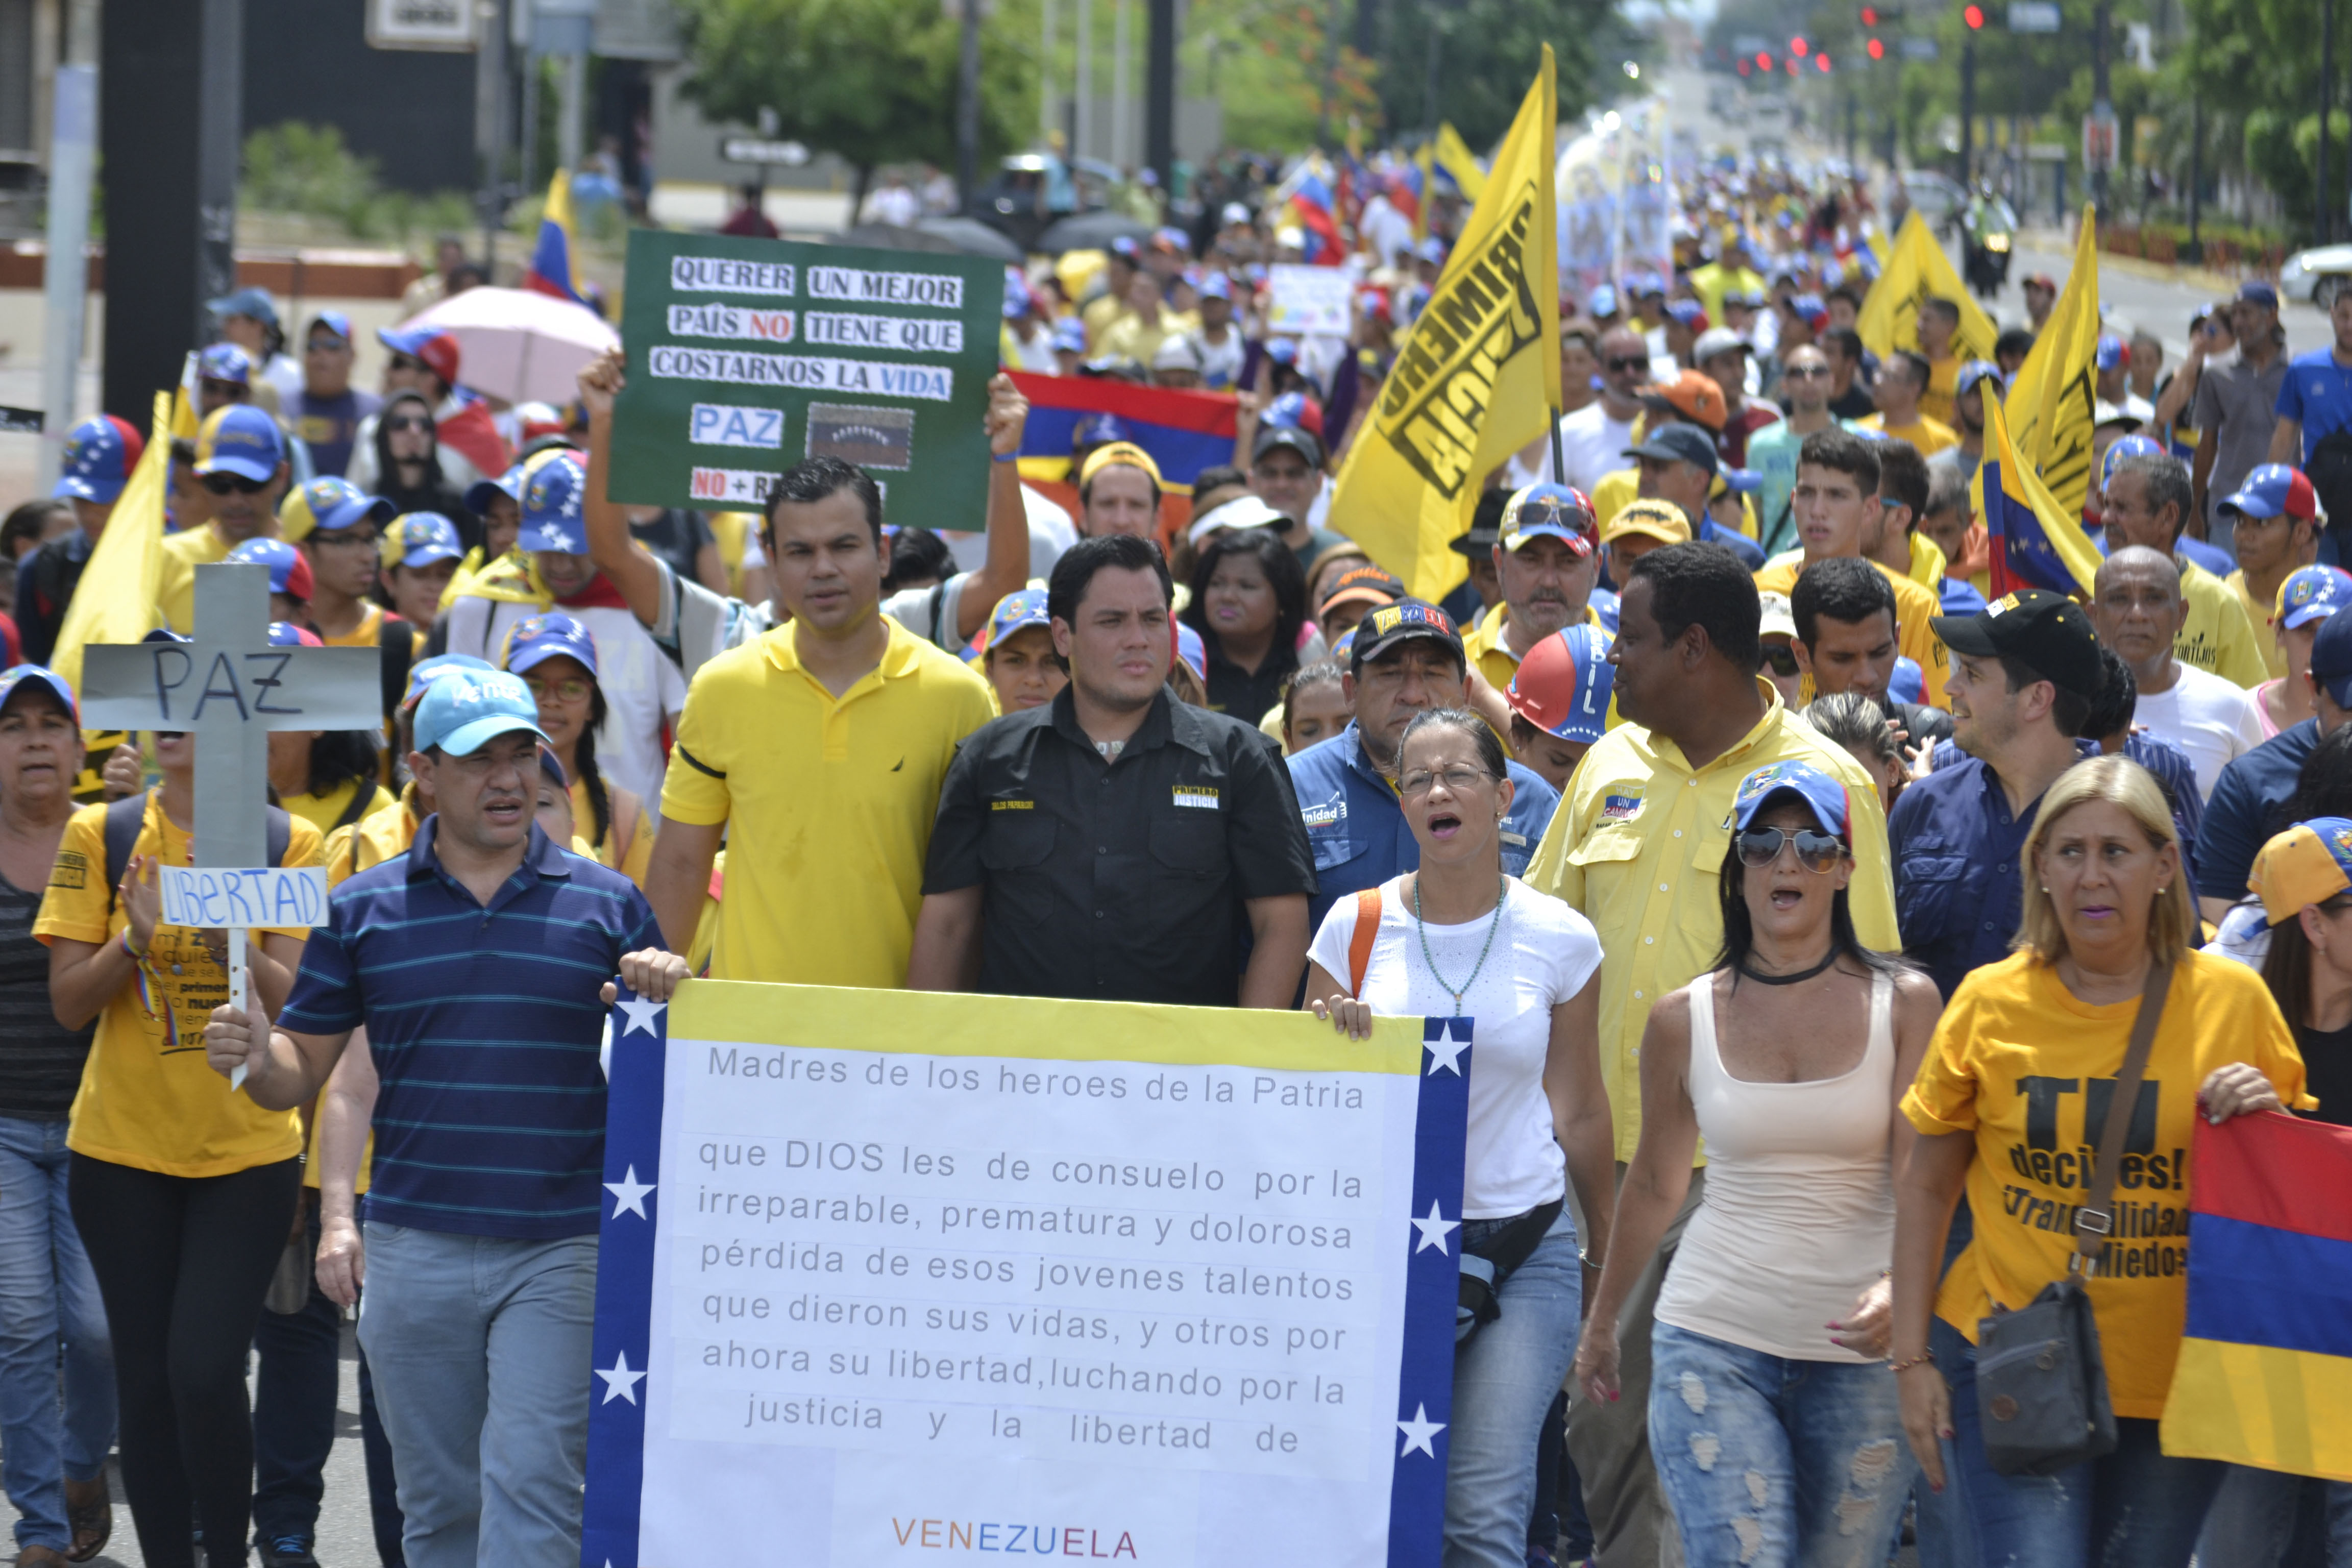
(1310, 302)
(213, 898)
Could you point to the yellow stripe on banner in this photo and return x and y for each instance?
(941, 1024)
(2257, 1405)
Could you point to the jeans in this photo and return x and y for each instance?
(1503, 1381)
(294, 1407)
(2134, 1509)
(1771, 1462)
(480, 1349)
(47, 1296)
(2254, 1515)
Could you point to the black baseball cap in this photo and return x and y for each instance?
(1390, 626)
(1678, 443)
(1300, 441)
(1485, 525)
(2048, 633)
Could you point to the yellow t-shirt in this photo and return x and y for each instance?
(627, 846)
(147, 1100)
(1638, 846)
(1926, 432)
(1916, 609)
(1943, 387)
(175, 590)
(2259, 617)
(324, 811)
(733, 529)
(388, 829)
(2022, 1063)
(829, 803)
(2219, 636)
(362, 636)
(1928, 564)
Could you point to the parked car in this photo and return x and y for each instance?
(2315, 275)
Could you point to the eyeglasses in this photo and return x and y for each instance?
(407, 361)
(1781, 658)
(1816, 852)
(573, 689)
(326, 345)
(1807, 372)
(409, 422)
(1620, 366)
(234, 484)
(361, 534)
(1458, 779)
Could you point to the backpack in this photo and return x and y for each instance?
(126, 817)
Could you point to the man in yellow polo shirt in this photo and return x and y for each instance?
(1638, 846)
(1837, 511)
(1548, 560)
(822, 746)
(240, 471)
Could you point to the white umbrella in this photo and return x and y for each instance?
(520, 345)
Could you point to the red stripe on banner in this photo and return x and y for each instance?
(2275, 1170)
(1210, 413)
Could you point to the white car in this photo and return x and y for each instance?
(2315, 275)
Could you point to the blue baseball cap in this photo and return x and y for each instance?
(1069, 336)
(468, 709)
(1975, 371)
(1550, 511)
(1823, 795)
(1564, 685)
(2111, 352)
(1193, 650)
(240, 439)
(2331, 660)
(535, 641)
(2254, 291)
(1431, 250)
(551, 519)
(1908, 681)
(329, 504)
(286, 634)
(1741, 481)
(420, 539)
(2125, 446)
(1013, 612)
(334, 322)
(253, 302)
(1215, 286)
(1018, 302)
(1601, 301)
(508, 484)
(1123, 247)
(42, 675)
(224, 361)
(2311, 593)
(2272, 489)
(98, 456)
(425, 671)
(289, 574)
(1689, 312)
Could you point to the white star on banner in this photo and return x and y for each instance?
(643, 1015)
(1417, 1431)
(1445, 1052)
(1434, 1230)
(629, 1195)
(620, 1383)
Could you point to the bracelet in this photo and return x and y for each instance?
(1003, 456)
(1922, 1359)
(1587, 1260)
(132, 953)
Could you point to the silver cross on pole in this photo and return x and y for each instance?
(230, 688)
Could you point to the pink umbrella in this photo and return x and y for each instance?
(518, 345)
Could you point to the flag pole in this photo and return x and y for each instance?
(1558, 466)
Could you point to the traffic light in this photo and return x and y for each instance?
(1764, 62)
(1877, 49)
(1974, 17)
(1798, 46)
(1822, 61)
(1870, 16)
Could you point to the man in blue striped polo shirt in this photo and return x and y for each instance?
(474, 963)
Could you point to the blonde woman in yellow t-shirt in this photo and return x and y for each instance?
(182, 1189)
(2008, 1105)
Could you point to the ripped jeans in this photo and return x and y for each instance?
(1774, 1463)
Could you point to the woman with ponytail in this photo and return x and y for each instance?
(556, 657)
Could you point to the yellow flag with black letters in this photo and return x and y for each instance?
(1916, 269)
(1476, 378)
(2052, 405)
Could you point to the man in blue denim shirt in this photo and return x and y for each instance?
(2024, 674)
(1407, 658)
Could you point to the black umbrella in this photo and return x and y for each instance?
(974, 238)
(897, 236)
(1091, 231)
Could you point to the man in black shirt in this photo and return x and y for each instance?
(1116, 844)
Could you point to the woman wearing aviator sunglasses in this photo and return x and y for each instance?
(1774, 1420)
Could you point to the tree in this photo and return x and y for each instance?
(1486, 52)
(873, 81)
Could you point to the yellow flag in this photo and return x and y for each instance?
(115, 600)
(1918, 269)
(1461, 165)
(2053, 402)
(1428, 194)
(1478, 375)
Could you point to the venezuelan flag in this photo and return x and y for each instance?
(2264, 1376)
(550, 271)
(2034, 542)
(1183, 431)
(1311, 209)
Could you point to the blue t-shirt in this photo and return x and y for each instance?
(486, 1027)
(2318, 392)
(2242, 812)
(328, 425)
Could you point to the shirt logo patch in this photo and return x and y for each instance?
(1011, 806)
(1619, 807)
(1325, 813)
(71, 870)
(1200, 796)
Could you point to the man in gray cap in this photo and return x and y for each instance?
(1721, 356)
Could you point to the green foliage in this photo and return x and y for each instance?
(306, 169)
(871, 81)
(1264, 62)
(1487, 52)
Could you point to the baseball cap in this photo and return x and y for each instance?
(420, 539)
(470, 707)
(2046, 632)
(1691, 394)
(1738, 481)
(1550, 511)
(331, 503)
(1823, 795)
(286, 634)
(1069, 336)
(2041, 280)
(508, 484)
(1016, 611)
(98, 456)
(1975, 371)
(540, 637)
(1392, 625)
(1660, 520)
(2125, 446)
(1096, 430)
(1297, 410)
(425, 671)
(1678, 443)
(1563, 686)
(1193, 650)
(1118, 454)
(2310, 863)
(1215, 286)
(2331, 660)
(1233, 213)
(435, 347)
(1690, 313)
(1716, 341)
(553, 766)
(1296, 437)
(2270, 489)
(1362, 585)
(1602, 302)
(334, 322)
(14, 680)
(253, 302)
(1907, 682)
(2311, 594)
(2112, 353)
(240, 439)
(1431, 250)
(1018, 302)
(1242, 511)
(224, 361)
(1123, 247)
(551, 519)
(1642, 285)
(1810, 310)
(1176, 354)
(2105, 413)
(289, 574)
(1779, 617)
(2254, 291)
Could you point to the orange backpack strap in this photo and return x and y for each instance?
(1359, 946)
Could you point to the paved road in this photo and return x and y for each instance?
(2162, 304)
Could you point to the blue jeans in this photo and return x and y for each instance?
(2254, 1519)
(2134, 1508)
(1503, 1381)
(48, 1295)
(1771, 1462)
(480, 1351)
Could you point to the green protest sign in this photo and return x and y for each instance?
(746, 355)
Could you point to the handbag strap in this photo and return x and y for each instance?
(2095, 1221)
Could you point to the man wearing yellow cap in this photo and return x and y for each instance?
(1118, 491)
(241, 471)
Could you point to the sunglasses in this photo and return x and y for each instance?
(409, 422)
(1816, 852)
(1781, 658)
(234, 484)
(1619, 366)
(1807, 372)
(1552, 512)
(407, 361)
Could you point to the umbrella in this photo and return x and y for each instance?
(520, 345)
(897, 236)
(1091, 231)
(974, 238)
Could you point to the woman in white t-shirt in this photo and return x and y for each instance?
(1774, 1419)
(1458, 938)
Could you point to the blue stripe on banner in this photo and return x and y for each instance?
(1181, 454)
(2257, 1285)
(624, 1285)
(1432, 1286)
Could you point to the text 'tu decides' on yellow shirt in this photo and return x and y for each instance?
(175, 590)
(2219, 636)
(148, 1101)
(1916, 609)
(2021, 1062)
(828, 802)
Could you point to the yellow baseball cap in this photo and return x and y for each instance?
(1120, 452)
(1661, 520)
(2310, 863)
